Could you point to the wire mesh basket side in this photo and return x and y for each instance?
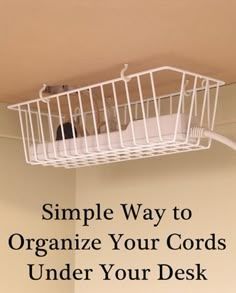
(149, 114)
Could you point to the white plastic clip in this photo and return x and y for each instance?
(43, 99)
(125, 78)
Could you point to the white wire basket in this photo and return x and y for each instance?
(150, 113)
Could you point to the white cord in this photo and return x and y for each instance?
(201, 132)
(10, 137)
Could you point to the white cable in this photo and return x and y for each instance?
(201, 132)
(218, 137)
(10, 137)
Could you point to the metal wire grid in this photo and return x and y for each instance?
(197, 98)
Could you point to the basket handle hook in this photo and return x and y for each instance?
(42, 98)
(186, 92)
(125, 78)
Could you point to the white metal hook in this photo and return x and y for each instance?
(125, 78)
(43, 99)
(204, 81)
(186, 93)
